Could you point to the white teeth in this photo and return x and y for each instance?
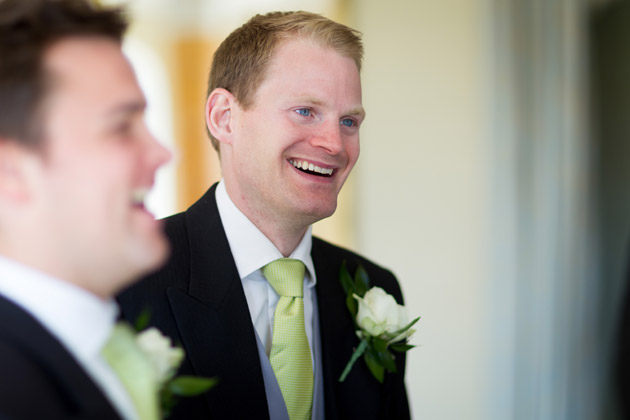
(138, 195)
(304, 165)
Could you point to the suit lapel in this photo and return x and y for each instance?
(79, 393)
(339, 340)
(336, 329)
(213, 317)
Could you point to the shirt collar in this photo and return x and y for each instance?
(250, 248)
(81, 320)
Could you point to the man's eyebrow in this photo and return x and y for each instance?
(311, 100)
(358, 112)
(127, 108)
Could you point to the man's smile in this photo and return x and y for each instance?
(137, 197)
(311, 168)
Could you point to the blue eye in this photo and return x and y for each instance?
(305, 112)
(348, 122)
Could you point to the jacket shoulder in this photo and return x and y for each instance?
(20, 372)
(34, 364)
(326, 253)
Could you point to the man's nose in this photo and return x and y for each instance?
(329, 138)
(156, 153)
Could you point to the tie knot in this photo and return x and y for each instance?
(286, 276)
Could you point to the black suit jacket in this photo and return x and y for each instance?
(39, 379)
(621, 362)
(198, 300)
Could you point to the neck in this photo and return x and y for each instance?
(285, 236)
(45, 262)
(285, 233)
(286, 242)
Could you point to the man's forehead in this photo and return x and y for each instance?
(89, 66)
(293, 40)
(315, 74)
(85, 59)
(292, 52)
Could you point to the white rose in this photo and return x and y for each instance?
(158, 348)
(379, 314)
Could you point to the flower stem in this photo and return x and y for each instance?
(355, 356)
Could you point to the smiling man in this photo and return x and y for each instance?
(254, 298)
(76, 160)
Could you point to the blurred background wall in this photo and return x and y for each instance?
(492, 181)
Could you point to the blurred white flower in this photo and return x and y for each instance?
(163, 356)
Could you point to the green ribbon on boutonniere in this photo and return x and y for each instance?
(381, 324)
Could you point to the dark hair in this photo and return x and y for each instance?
(240, 63)
(27, 29)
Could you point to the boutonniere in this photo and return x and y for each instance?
(165, 359)
(381, 324)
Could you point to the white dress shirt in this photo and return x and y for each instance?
(80, 320)
(252, 250)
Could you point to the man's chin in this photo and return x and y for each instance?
(317, 213)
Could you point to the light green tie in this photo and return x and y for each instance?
(134, 371)
(290, 353)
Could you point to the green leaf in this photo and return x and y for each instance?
(143, 319)
(386, 359)
(377, 370)
(361, 281)
(382, 355)
(353, 306)
(379, 344)
(395, 334)
(346, 279)
(401, 347)
(168, 401)
(355, 356)
(187, 386)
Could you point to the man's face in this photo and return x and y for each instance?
(294, 148)
(98, 162)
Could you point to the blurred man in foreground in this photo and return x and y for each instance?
(76, 161)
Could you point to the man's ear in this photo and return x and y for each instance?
(219, 108)
(15, 163)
